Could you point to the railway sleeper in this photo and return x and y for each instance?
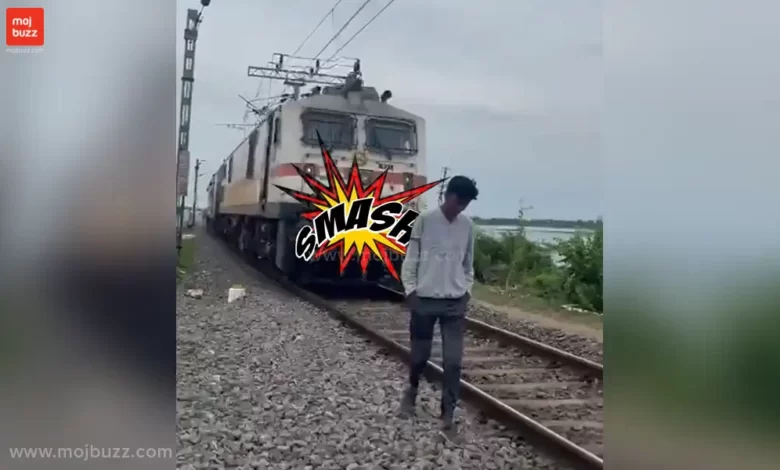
(587, 440)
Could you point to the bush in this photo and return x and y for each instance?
(488, 253)
(547, 284)
(583, 270)
(512, 262)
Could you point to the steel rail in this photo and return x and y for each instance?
(545, 437)
(515, 339)
(540, 436)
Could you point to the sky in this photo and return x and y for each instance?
(512, 92)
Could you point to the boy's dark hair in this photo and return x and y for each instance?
(464, 188)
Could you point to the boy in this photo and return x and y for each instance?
(437, 274)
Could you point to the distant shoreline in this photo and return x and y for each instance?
(541, 223)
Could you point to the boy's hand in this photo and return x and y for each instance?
(412, 301)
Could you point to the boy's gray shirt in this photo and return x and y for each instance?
(439, 261)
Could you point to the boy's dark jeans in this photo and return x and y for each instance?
(451, 314)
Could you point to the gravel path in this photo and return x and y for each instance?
(582, 346)
(270, 382)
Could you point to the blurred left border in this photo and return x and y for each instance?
(87, 249)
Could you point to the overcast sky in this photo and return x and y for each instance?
(511, 91)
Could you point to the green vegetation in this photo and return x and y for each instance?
(516, 267)
(547, 223)
(185, 259)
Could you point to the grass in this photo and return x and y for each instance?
(515, 304)
(186, 258)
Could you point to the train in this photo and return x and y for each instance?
(356, 123)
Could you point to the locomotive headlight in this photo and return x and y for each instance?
(310, 170)
(408, 180)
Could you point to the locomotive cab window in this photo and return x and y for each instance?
(336, 129)
(391, 136)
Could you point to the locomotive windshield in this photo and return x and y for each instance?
(394, 137)
(337, 130)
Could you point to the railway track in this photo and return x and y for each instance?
(553, 398)
(554, 394)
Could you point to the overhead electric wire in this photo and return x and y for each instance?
(318, 26)
(340, 30)
(329, 13)
(335, 36)
(360, 30)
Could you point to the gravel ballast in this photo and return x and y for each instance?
(578, 345)
(271, 382)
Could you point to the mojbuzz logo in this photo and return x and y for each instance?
(354, 218)
(24, 27)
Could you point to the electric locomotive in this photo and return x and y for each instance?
(355, 122)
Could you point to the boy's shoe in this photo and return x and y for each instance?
(408, 402)
(448, 427)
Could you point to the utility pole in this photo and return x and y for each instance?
(521, 217)
(194, 18)
(522, 210)
(444, 172)
(195, 192)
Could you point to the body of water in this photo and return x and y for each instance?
(537, 235)
(534, 234)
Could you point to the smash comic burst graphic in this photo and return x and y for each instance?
(353, 218)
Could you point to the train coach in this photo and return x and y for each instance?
(248, 209)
